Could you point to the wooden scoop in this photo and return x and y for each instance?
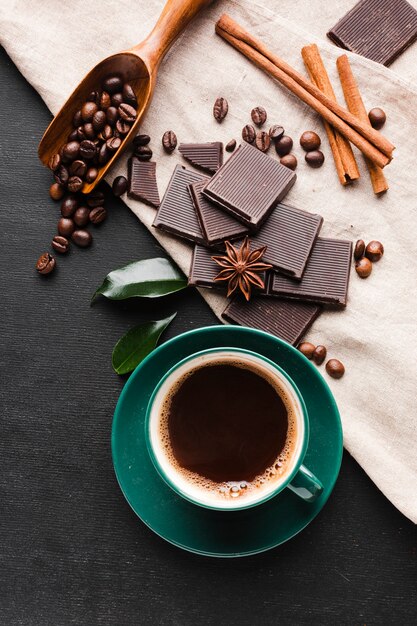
(138, 66)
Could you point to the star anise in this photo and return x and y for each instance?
(242, 268)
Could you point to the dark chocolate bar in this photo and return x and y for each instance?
(142, 181)
(289, 235)
(177, 214)
(207, 156)
(326, 277)
(379, 30)
(282, 318)
(249, 185)
(217, 226)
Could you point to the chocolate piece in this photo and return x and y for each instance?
(379, 30)
(177, 214)
(217, 226)
(326, 277)
(142, 181)
(207, 156)
(282, 318)
(289, 235)
(249, 185)
(203, 271)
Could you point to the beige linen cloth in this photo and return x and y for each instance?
(54, 43)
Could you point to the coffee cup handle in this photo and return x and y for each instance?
(306, 485)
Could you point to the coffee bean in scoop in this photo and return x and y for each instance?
(262, 141)
(75, 183)
(56, 191)
(309, 141)
(91, 174)
(129, 95)
(169, 141)
(307, 349)
(45, 264)
(127, 112)
(319, 355)
(284, 145)
(61, 175)
(119, 186)
(359, 250)
(335, 368)
(82, 238)
(377, 118)
(289, 160)
(60, 244)
(54, 162)
(220, 109)
(258, 115)
(248, 133)
(363, 267)
(231, 145)
(276, 132)
(315, 158)
(112, 83)
(374, 251)
(88, 111)
(116, 99)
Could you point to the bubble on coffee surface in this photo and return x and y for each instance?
(233, 489)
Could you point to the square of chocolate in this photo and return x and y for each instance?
(249, 185)
(326, 277)
(177, 214)
(379, 30)
(284, 319)
(289, 235)
(206, 156)
(217, 225)
(142, 183)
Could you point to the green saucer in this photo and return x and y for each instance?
(200, 530)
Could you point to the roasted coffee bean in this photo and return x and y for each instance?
(103, 155)
(248, 133)
(73, 136)
(127, 112)
(94, 96)
(78, 168)
(98, 215)
(54, 162)
(284, 145)
(359, 250)
(64, 159)
(89, 131)
(82, 238)
(169, 141)
(45, 264)
(77, 120)
(91, 174)
(119, 186)
(289, 160)
(315, 158)
(307, 349)
(262, 141)
(105, 101)
(95, 198)
(112, 115)
(122, 127)
(335, 368)
(88, 110)
(66, 226)
(276, 132)
(309, 141)
(99, 120)
(144, 153)
(374, 251)
(61, 175)
(116, 99)
(258, 115)
(112, 83)
(69, 205)
(81, 136)
(363, 267)
(113, 143)
(142, 140)
(220, 109)
(106, 133)
(81, 216)
(319, 355)
(75, 183)
(56, 191)
(129, 95)
(87, 149)
(60, 244)
(231, 145)
(377, 118)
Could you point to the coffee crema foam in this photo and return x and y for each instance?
(232, 489)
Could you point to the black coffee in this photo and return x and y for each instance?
(229, 425)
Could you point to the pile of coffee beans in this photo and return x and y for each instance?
(310, 143)
(366, 255)
(334, 367)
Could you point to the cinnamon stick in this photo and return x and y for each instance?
(356, 106)
(370, 142)
(345, 162)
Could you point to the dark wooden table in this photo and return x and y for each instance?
(71, 550)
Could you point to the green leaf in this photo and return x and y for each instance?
(136, 344)
(150, 278)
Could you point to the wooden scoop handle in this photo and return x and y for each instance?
(176, 15)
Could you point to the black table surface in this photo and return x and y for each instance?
(71, 549)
